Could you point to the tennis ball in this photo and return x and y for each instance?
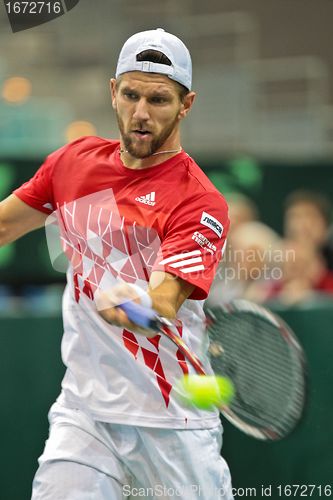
(206, 391)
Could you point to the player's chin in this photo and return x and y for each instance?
(141, 152)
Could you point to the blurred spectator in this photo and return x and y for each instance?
(304, 274)
(241, 210)
(306, 220)
(249, 266)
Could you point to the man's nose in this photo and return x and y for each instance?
(141, 112)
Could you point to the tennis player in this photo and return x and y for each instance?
(137, 219)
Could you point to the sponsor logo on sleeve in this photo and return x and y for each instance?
(210, 221)
(204, 242)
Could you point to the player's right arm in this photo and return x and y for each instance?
(17, 218)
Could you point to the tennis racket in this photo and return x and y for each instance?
(258, 352)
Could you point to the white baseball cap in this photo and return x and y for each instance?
(171, 46)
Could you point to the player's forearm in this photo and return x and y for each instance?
(5, 236)
(168, 293)
(10, 234)
(17, 219)
(163, 306)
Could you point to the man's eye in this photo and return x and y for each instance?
(158, 100)
(130, 95)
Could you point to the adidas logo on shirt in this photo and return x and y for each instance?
(148, 199)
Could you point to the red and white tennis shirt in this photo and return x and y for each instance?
(118, 224)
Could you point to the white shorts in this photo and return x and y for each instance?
(88, 460)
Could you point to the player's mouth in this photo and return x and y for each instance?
(142, 134)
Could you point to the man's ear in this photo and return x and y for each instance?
(113, 91)
(187, 104)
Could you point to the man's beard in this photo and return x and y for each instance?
(146, 149)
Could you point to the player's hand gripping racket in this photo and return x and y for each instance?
(258, 352)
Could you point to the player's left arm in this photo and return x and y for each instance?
(166, 293)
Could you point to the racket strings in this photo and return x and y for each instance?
(266, 369)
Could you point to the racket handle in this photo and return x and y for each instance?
(140, 315)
